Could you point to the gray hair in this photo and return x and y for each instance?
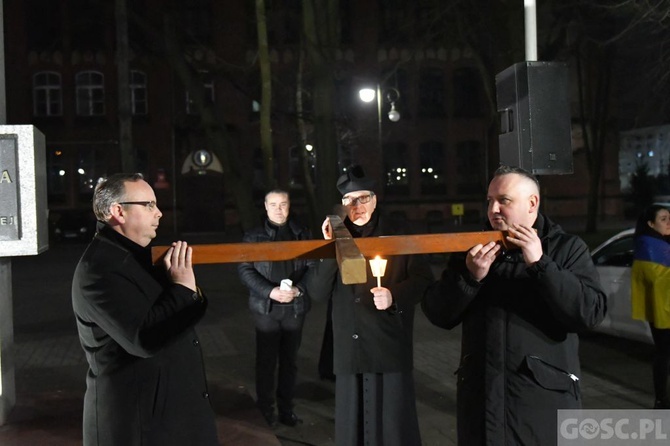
(111, 190)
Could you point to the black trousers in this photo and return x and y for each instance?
(278, 337)
(661, 362)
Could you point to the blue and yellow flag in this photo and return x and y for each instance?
(650, 281)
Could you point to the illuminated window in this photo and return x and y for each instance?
(396, 172)
(432, 168)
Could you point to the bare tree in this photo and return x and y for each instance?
(266, 94)
(321, 25)
(128, 156)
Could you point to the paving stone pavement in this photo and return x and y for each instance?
(50, 366)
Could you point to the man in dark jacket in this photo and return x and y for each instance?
(146, 381)
(278, 303)
(373, 330)
(521, 311)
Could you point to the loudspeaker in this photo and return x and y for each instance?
(534, 112)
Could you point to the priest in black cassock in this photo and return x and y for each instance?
(372, 329)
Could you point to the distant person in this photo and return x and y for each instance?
(278, 311)
(146, 380)
(373, 326)
(650, 290)
(520, 311)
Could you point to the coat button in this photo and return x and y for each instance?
(355, 336)
(357, 300)
(196, 342)
(205, 395)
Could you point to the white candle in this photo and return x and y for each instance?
(378, 267)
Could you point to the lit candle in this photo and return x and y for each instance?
(378, 267)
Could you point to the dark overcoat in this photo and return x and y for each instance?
(146, 382)
(519, 343)
(373, 349)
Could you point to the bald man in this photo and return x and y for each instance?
(520, 312)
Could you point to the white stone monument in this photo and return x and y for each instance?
(23, 231)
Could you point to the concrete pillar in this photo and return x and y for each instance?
(23, 231)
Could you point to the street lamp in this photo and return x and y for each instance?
(392, 95)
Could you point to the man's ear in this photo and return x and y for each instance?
(117, 214)
(534, 203)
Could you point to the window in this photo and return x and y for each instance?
(88, 23)
(292, 10)
(432, 168)
(138, 93)
(45, 20)
(431, 93)
(296, 174)
(47, 94)
(617, 253)
(470, 164)
(467, 94)
(208, 97)
(90, 93)
(396, 161)
(196, 18)
(394, 21)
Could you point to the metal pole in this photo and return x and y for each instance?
(379, 135)
(531, 29)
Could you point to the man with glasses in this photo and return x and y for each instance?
(372, 328)
(278, 304)
(146, 380)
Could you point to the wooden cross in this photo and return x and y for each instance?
(350, 252)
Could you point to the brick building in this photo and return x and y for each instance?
(61, 73)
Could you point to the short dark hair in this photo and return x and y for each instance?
(506, 170)
(648, 214)
(111, 190)
(277, 191)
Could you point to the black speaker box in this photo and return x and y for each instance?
(534, 112)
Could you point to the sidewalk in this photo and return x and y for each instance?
(50, 366)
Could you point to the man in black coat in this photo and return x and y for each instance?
(373, 330)
(278, 309)
(146, 381)
(520, 311)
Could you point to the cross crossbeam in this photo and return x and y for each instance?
(350, 252)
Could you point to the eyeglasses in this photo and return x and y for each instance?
(151, 205)
(353, 201)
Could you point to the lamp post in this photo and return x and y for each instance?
(392, 95)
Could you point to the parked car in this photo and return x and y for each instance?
(72, 225)
(613, 260)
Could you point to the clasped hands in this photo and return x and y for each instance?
(284, 296)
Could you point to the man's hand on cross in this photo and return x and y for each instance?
(480, 258)
(327, 229)
(179, 264)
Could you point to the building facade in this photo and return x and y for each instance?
(62, 61)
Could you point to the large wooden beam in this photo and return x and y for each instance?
(322, 249)
(350, 260)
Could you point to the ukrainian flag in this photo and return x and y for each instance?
(650, 281)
